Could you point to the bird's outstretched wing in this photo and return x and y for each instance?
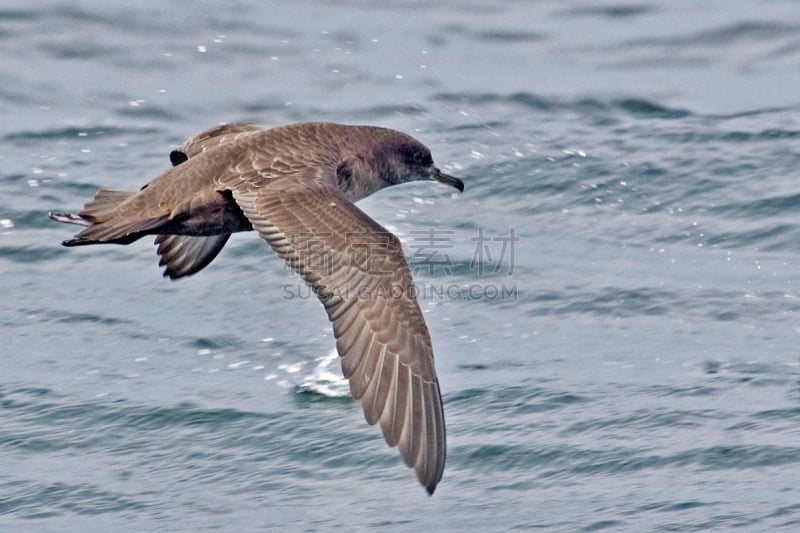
(184, 255)
(210, 138)
(358, 270)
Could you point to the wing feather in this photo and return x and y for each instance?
(364, 284)
(183, 255)
(210, 138)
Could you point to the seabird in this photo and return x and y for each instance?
(296, 186)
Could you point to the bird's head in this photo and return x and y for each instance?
(406, 159)
(380, 157)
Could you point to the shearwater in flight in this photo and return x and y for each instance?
(296, 186)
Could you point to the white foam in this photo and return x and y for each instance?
(326, 378)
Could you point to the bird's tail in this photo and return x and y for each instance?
(97, 217)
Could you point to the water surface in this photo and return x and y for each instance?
(614, 308)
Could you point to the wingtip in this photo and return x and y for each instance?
(430, 484)
(171, 274)
(176, 157)
(76, 242)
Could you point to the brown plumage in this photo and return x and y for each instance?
(295, 185)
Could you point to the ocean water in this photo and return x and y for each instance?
(614, 300)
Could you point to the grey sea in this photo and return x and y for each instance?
(614, 301)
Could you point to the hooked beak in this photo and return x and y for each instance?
(441, 177)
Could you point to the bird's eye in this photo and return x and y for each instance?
(421, 157)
